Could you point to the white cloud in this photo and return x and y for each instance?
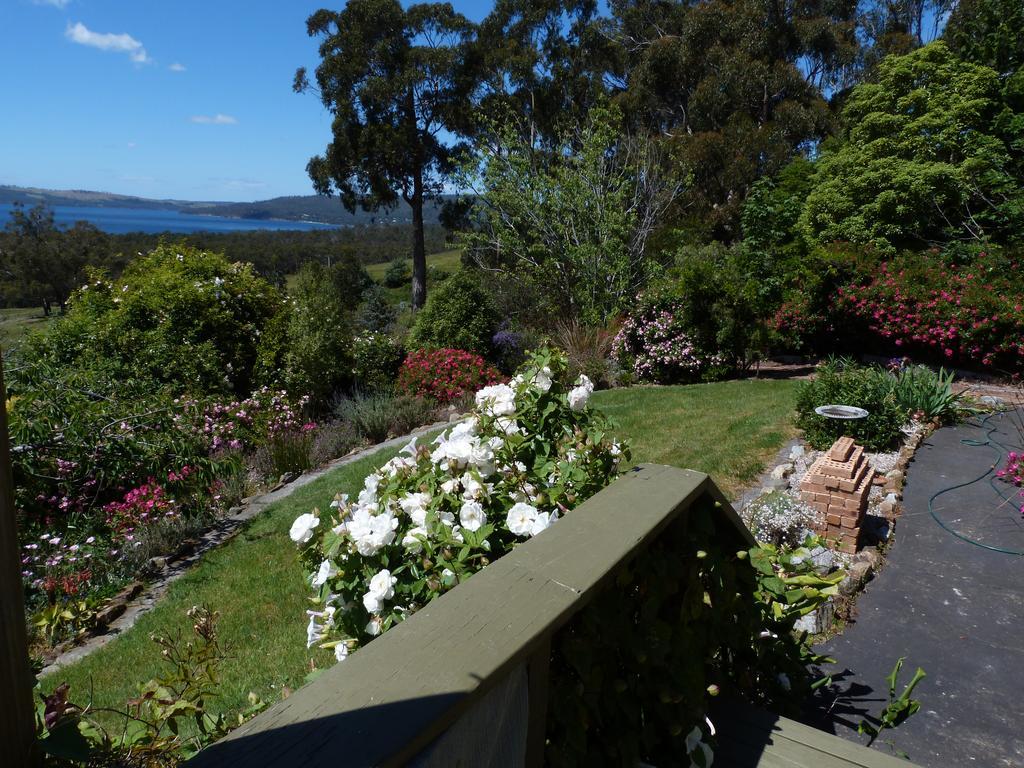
(176, 67)
(54, 3)
(79, 33)
(217, 119)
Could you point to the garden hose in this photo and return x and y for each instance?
(1000, 450)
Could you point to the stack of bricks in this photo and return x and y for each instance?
(837, 487)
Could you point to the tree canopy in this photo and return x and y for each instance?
(395, 82)
(931, 152)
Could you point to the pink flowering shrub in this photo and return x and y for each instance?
(444, 375)
(241, 425)
(971, 315)
(654, 344)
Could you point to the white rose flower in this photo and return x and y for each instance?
(447, 577)
(374, 626)
(415, 506)
(543, 522)
(370, 532)
(327, 571)
(303, 527)
(413, 539)
(341, 651)
(472, 488)
(507, 425)
(450, 486)
(381, 588)
(446, 516)
(521, 518)
(496, 400)
(542, 379)
(580, 394)
(472, 516)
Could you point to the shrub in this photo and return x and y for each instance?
(376, 359)
(926, 394)
(458, 315)
(378, 416)
(778, 518)
(655, 344)
(376, 313)
(332, 440)
(444, 375)
(588, 349)
(318, 341)
(432, 516)
(176, 316)
(917, 305)
(842, 382)
(398, 274)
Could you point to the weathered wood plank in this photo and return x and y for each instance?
(394, 696)
(753, 738)
(17, 713)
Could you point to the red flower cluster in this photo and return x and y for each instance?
(971, 317)
(445, 375)
(140, 506)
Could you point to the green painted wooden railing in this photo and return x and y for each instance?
(391, 699)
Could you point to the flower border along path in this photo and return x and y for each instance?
(124, 610)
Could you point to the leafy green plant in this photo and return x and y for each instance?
(317, 350)
(459, 314)
(167, 722)
(398, 274)
(840, 381)
(177, 316)
(899, 708)
(66, 618)
(926, 394)
(376, 358)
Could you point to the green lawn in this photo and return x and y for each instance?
(728, 430)
(256, 583)
(15, 323)
(449, 261)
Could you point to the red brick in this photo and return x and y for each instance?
(834, 519)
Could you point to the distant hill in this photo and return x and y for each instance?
(296, 208)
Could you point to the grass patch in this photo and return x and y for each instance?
(449, 261)
(16, 322)
(256, 582)
(729, 429)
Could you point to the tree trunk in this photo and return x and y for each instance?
(419, 249)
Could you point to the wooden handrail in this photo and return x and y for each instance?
(388, 701)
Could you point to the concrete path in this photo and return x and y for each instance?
(950, 606)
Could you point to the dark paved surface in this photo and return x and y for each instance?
(953, 608)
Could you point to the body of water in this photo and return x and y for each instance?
(120, 220)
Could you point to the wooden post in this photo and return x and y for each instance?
(17, 715)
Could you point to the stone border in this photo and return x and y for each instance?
(868, 559)
(122, 611)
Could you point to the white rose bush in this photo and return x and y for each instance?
(530, 452)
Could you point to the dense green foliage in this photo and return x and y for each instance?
(988, 32)
(175, 316)
(460, 314)
(931, 153)
(571, 221)
(316, 353)
(841, 382)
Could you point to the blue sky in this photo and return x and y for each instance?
(187, 99)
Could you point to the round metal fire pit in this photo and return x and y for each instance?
(841, 412)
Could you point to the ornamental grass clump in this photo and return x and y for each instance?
(531, 451)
